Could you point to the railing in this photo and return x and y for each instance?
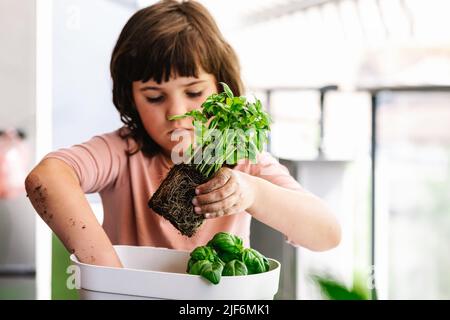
(374, 94)
(322, 91)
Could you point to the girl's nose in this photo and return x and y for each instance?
(177, 106)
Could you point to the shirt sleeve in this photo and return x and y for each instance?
(97, 162)
(268, 168)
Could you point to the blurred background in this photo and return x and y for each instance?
(359, 91)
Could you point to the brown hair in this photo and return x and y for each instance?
(169, 37)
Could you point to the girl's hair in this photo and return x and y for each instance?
(169, 37)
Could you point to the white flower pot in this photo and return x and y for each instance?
(159, 273)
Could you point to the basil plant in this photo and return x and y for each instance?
(225, 255)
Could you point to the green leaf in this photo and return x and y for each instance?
(227, 90)
(239, 101)
(196, 114)
(252, 109)
(204, 253)
(235, 268)
(334, 290)
(255, 261)
(197, 267)
(211, 271)
(178, 117)
(190, 264)
(226, 242)
(266, 263)
(229, 256)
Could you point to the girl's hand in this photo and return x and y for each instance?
(229, 192)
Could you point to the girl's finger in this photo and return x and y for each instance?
(220, 205)
(219, 194)
(218, 181)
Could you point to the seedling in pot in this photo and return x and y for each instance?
(227, 130)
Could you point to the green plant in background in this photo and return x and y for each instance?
(333, 289)
(60, 263)
(225, 255)
(243, 128)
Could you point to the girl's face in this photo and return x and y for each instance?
(157, 102)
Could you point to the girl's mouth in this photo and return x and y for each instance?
(180, 130)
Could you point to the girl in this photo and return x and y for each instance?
(169, 57)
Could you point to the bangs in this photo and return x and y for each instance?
(179, 54)
(170, 38)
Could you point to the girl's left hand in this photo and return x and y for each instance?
(229, 192)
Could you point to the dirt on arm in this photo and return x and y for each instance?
(55, 193)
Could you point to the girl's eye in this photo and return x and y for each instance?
(154, 100)
(194, 94)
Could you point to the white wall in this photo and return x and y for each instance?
(84, 33)
(17, 110)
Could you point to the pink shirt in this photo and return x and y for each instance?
(126, 183)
